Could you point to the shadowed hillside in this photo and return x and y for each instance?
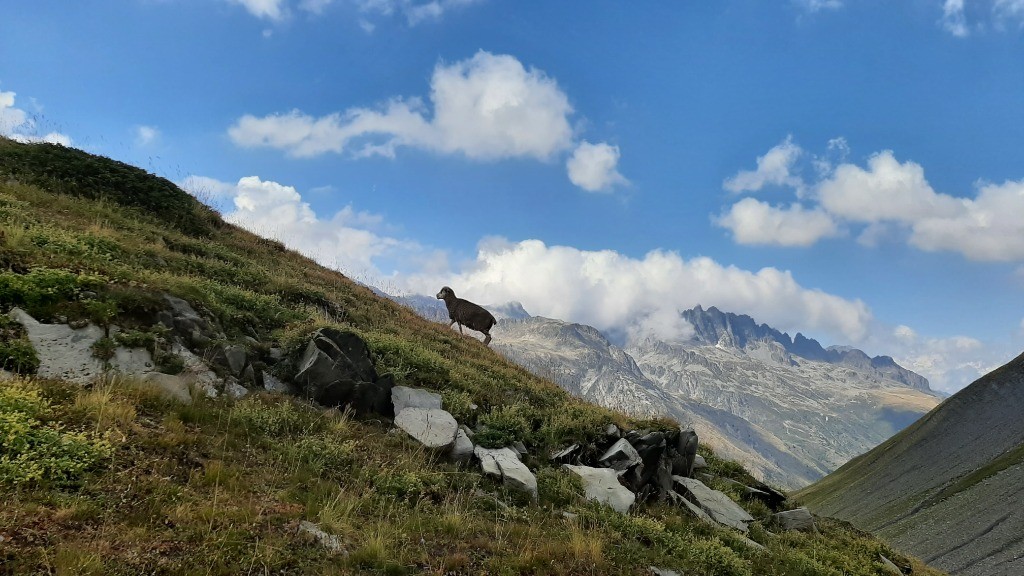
(949, 487)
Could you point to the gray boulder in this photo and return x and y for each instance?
(405, 397)
(432, 427)
(602, 485)
(796, 519)
(171, 386)
(621, 456)
(336, 370)
(504, 463)
(462, 450)
(718, 506)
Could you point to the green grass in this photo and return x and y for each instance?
(137, 484)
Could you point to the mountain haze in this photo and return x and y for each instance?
(948, 488)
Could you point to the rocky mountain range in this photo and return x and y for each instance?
(947, 488)
(787, 408)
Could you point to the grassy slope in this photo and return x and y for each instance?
(219, 487)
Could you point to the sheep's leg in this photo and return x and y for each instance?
(487, 341)
(460, 328)
(450, 323)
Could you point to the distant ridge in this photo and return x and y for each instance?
(713, 327)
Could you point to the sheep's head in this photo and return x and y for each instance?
(445, 292)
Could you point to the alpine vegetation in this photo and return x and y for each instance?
(468, 314)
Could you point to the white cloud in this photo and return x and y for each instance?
(960, 18)
(593, 167)
(755, 222)
(269, 9)
(146, 135)
(987, 228)
(953, 18)
(350, 240)
(774, 168)
(630, 297)
(414, 12)
(813, 6)
(885, 190)
(489, 107)
(17, 124)
(891, 199)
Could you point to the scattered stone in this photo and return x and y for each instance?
(235, 357)
(621, 456)
(170, 386)
(612, 431)
(699, 463)
(602, 485)
(235, 390)
(462, 450)
(272, 384)
(503, 463)
(693, 509)
(663, 572)
(404, 397)
(569, 515)
(330, 541)
(275, 354)
(797, 519)
(433, 427)
(5, 375)
(199, 340)
(565, 455)
(469, 432)
(751, 544)
(519, 447)
(685, 450)
(720, 507)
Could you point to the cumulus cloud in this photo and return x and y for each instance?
(19, 125)
(891, 200)
(593, 167)
(269, 9)
(630, 297)
(754, 222)
(988, 228)
(351, 241)
(885, 190)
(774, 168)
(488, 107)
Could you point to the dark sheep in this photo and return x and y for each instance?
(465, 313)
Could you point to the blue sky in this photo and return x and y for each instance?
(850, 169)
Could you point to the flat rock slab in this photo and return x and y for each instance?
(602, 485)
(720, 507)
(329, 541)
(504, 463)
(434, 428)
(403, 397)
(64, 353)
(170, 386)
